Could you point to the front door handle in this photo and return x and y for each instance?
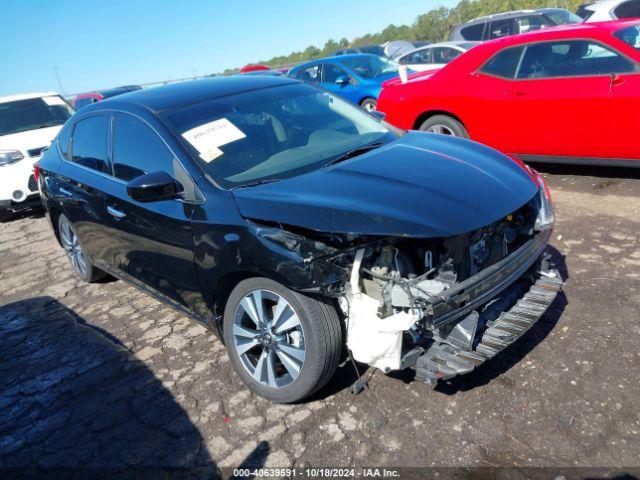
(65, 192)
(117, 214)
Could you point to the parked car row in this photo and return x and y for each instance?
(567, 94)
(28, 123)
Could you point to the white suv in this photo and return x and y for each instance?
(28, 124)
(603, 10)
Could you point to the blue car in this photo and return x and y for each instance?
(357, 78)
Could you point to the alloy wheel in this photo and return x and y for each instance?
(73, 249)
(441, 129)
(269, 338)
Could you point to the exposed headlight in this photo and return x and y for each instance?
(546, 214)
(7, 157)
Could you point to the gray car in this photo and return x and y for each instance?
(511, 23)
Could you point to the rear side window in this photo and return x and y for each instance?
(573, 58)
(309, 74)
(630, 9)
(89, 144)
(502, 28)
(138, 150)
(504, 64)
(473, 32)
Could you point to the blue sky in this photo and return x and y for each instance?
(99, 44)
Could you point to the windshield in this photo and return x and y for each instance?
(630, 35)
(273, 133)
(370, 66)
(34, 113)
(562, 17)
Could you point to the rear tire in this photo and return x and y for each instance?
(444, 125)
(368, 104)
(82, 266)
(292, 350)
(5, 214)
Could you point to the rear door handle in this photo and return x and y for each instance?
(115, 213)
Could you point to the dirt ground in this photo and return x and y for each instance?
(102, 375)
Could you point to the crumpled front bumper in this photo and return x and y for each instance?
(500, 327)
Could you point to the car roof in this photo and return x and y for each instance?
(194, 91)
(499, 16)
(25, 96)
(338, 58)
(564, 31)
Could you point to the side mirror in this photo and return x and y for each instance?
(379, 115)
(153, 187)
(342, 80)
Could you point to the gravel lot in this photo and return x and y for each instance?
(102, 375)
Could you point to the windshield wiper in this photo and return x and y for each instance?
(258, 182)
(355, 152)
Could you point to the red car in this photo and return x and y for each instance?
(567, 94)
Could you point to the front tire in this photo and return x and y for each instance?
(368, 104)
(284, 345)
(82, 266)
(444, 125)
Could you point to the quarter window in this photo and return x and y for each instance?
(504, 64)
(571, 59)
(89, 145)
(138, 150)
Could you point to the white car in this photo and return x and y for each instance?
(434, 56)
(603, 10)
(28, 124)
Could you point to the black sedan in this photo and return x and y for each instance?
(302, 229)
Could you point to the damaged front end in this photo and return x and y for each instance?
(444, 306)
(439, 305)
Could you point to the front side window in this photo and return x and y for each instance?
(33, 113)
(629, 9)
(370, 66)
(331, 72)
(571, 58)
(502, 28)
(89, 143)
(630, 35)
(444, 54)
(416, 58)
(563, 17)
(138, 150)
(272, 133)
(530, 23)
(503, 64)
(310, 74)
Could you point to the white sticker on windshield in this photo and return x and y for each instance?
(211, 154)
(51, 101)
(208, 137)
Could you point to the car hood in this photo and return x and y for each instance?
(29, 139)
(421, 185)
